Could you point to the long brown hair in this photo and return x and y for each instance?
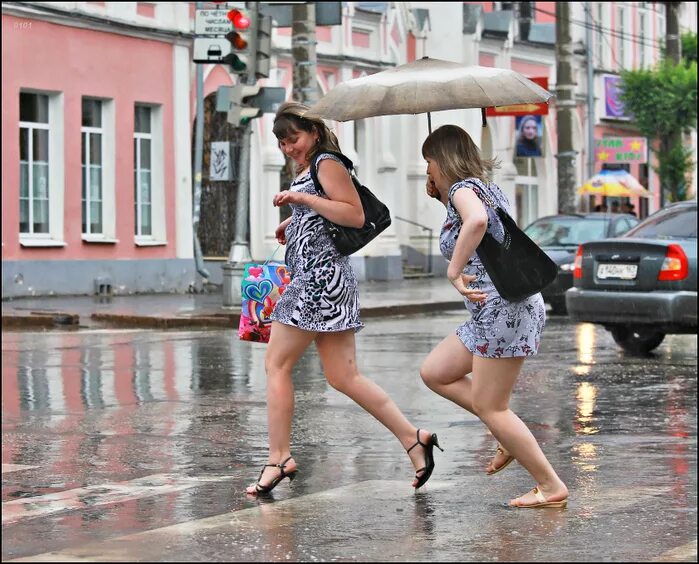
(457, 155)
(290, 119)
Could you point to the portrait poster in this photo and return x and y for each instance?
(528, 136)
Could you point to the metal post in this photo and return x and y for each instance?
(565, 113)
(240, 249)
(198, 158)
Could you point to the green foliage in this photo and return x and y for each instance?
(663, 103)
(689, 47)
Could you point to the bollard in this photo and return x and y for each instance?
(231, 286)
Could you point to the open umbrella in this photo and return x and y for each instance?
(427, 85)
(614, 184)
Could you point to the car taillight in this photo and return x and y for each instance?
(675, 266)
(577, 264)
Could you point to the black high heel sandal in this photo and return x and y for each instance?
(429, 459)
(266, 489)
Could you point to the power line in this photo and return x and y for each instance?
(631, 38)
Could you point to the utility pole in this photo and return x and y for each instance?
(565, 110)
(590, 92)
(303, 51)
(673, 53)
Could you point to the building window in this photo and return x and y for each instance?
(93, 167)
(33, 163)
(621, 41)
(143, 171)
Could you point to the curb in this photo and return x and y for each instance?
(204, 320)
(41, 320)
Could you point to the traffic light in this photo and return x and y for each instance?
(240, 112)
(264, 46)
(239, 56)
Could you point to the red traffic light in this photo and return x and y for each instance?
(238, 19)
(237, 40)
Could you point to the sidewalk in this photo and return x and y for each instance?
(169, 311)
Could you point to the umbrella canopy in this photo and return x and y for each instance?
(427, 85)
(614, 183)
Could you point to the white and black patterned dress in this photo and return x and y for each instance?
(323, 294)
(498, 328)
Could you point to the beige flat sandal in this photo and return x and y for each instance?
(541, 501)
(504, 465)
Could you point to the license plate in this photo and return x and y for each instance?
(618, 271)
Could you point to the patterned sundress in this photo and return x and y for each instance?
(323, 294)
(498, 328)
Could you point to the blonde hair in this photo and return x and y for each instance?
(457, 155)
(290, 119)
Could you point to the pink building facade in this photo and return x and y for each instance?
(96, 194)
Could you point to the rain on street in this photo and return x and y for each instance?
(133, 445)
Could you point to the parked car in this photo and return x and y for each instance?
(560, 235)
(643, 285)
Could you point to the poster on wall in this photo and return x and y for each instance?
(528, 138)
(220, 168)
(613, 106)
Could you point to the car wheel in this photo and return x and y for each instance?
(637, 340)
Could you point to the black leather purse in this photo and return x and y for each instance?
(377, 217)
(517, 266)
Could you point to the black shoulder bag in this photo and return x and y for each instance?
(517, 266)
(377, 218)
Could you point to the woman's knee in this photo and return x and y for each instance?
(341, 381)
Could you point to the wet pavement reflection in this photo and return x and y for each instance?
(138, 445)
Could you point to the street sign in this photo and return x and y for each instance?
(211, 22)
(210, 50)
(541, 109)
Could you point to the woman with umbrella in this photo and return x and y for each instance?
(478, 365)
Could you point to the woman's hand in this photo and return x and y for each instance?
(431, 188)
(280, 231)
(289, 197)
(461, 283)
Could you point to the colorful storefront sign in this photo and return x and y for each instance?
(621, 150)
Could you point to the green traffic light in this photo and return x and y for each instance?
(238, 65)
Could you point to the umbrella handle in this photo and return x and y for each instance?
(485, 124)
(429, 118)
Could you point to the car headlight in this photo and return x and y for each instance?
(567, 267)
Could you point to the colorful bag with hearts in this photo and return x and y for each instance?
(261, 287)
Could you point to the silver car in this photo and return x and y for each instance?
(642, 285)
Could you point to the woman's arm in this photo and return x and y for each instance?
(474, 222)
(342, 206)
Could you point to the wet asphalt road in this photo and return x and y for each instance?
(129, 445)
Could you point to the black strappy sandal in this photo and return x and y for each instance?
(266, 489)
(429, 459)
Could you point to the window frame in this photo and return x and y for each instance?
(85, 133)
(56, 172)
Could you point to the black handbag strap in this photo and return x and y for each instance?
(314, 168)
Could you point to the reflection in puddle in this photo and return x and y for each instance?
(585, 337)
(585, 395)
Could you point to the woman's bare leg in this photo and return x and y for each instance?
(285, 347)
(493, 380)
(338, 355)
